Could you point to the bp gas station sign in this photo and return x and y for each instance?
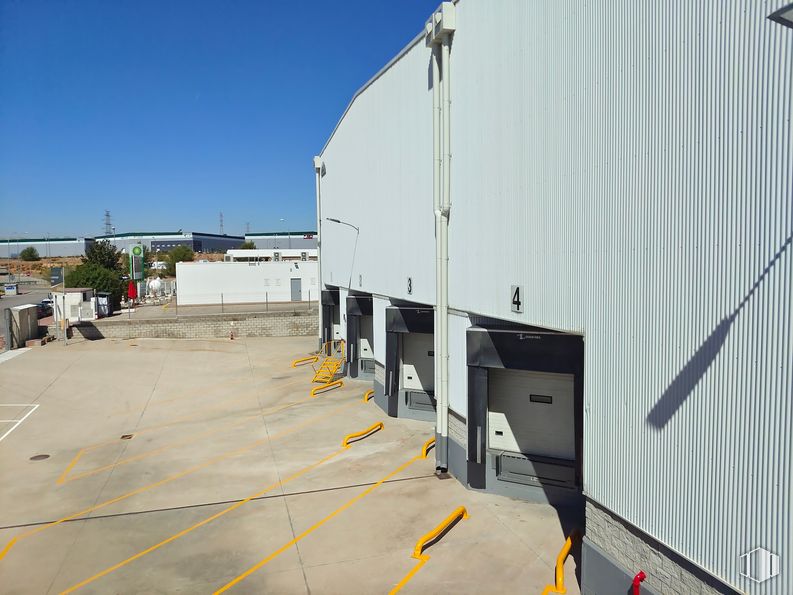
(136, 262)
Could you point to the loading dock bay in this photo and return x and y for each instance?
(180, 466)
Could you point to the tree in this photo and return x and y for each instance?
(104, 254)
(29, 254)
(178, 254)
(97, 277)
(247, 245)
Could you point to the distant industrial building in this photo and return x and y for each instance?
(287, 239)
(46, 247)
(165, 240)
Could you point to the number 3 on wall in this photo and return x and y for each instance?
(410, 285)
(516, 291)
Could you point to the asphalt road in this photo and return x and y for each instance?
(29, 297)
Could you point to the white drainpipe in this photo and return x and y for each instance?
(319, 170)
(439, 31)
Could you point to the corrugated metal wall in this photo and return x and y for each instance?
(630, 164)
(379, 178)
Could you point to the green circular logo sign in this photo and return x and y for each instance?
(137, 250)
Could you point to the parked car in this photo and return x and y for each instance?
(43, 309)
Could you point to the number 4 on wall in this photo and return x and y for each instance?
(516, 293)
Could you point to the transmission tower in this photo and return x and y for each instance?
(221, 223)
(248, 227)
(108, 223)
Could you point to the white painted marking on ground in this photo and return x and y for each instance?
(18, 421)
(4, 357)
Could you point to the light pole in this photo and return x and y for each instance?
(113, 229)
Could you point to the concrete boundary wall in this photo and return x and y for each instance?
(254, 324)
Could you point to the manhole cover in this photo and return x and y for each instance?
(127, 436)
(39, 457)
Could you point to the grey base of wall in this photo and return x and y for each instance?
(426, 412)
(543, 494)
(270, 324)
(380, 397)
(601, 575)
(458, 463)
(614, 551)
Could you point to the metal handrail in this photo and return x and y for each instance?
(305, 360)
(370, 430)
(559, 587)
(323, 387)
(418, 551)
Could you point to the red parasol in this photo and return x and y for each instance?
(132, 291)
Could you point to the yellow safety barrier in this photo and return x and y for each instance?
(305, 360)
(559, 586)
(368, 395)
(323, 387)
(426, 448)
(370, 430)
(418, 552)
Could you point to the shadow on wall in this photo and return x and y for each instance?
(687, 379)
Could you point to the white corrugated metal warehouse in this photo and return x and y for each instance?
(613, 185)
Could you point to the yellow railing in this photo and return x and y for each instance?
(426, 448)
(323, 387)
(329, 347)
(559, 572)
(370, 430)
(418, 552)
(305, 360)
(368, 395)
(459, 513)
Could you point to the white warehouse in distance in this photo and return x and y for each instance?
(204, 283)
(571, 252)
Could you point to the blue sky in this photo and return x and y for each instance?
(167, 113)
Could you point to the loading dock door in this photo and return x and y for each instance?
(366, 340)
(418, 367)
(531, 413)
(296, 290)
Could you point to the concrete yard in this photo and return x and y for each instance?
(232, 467)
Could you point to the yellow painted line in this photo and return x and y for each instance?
(190, 470)
(318, 524)
(558, 586)
(171, 445)
(65, 475)
(418, 552)
(217, 515)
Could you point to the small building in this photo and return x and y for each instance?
(74, 304)
(275, 255)
(206, 283)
